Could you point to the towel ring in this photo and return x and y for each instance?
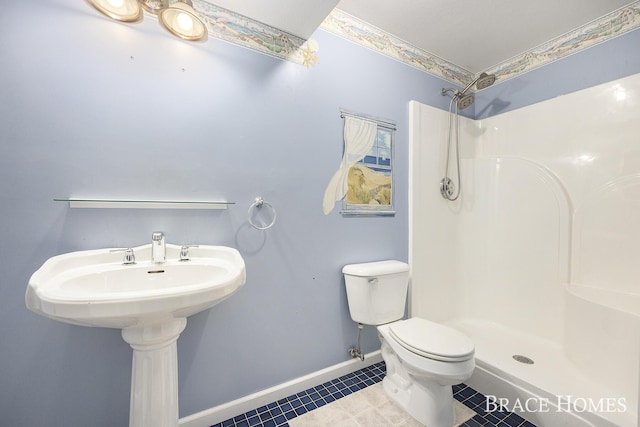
(257, 205)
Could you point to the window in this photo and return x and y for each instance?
(370, 179)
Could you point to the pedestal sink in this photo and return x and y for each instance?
(149, 302)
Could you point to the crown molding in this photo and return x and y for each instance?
(607, 27)
(246, 32)
(351, 28)
(241, 30)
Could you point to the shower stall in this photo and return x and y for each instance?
(537, 260)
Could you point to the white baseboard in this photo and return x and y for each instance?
(236, 407)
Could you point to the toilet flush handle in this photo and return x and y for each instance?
(373, 281)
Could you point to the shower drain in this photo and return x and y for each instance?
(523, 359)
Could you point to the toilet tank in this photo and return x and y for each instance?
(376, 291)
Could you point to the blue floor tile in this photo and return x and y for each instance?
(276, 414)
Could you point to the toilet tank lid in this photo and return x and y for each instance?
(377, 268)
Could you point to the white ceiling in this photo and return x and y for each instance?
(472, 34)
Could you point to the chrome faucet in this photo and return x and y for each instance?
(158, 248)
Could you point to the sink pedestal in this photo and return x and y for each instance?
(154, 373)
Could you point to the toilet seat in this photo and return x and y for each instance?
(431, 340)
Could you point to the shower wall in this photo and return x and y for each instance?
(551, 196)
(587, 141)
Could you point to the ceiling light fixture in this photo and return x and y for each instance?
(153, 6)
(120, 10)
(180, 18)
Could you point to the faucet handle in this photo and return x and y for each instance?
(184, 252)
(129, 256)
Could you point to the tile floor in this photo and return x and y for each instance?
(358, 400)
(369, 407)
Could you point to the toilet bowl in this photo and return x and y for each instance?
(424, 359)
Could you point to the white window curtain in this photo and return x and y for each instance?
(359, 136)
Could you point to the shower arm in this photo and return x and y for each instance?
(460, 93)
(490, 79)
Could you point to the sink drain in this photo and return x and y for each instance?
(522, 359)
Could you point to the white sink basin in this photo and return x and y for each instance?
(149, 302)
(95, 288)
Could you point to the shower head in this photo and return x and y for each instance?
(466, 100)
(484, 80)
(462, 100)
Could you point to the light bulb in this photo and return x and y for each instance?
(181, 20)
(116, 3)
(184, 21)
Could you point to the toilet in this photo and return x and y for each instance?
(424, 359)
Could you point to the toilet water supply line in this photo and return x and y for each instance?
(355, 351)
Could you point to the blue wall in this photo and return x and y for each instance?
(93, 108)
(614, 59)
